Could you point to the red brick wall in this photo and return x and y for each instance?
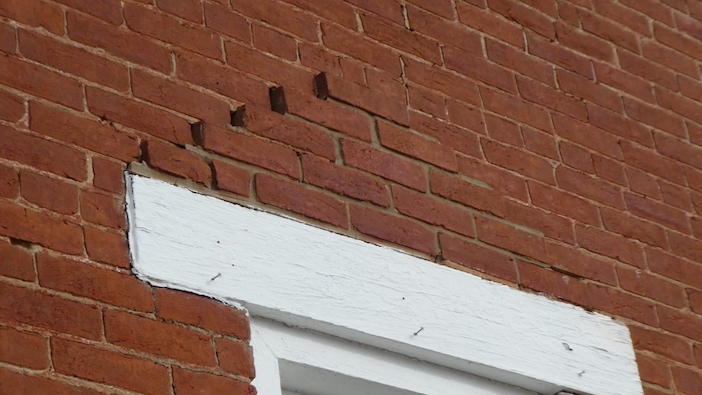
(554, 145)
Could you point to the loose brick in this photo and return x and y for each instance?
(589, 187)
(194, 383)
(231, 178)
(49, 193)
(34, 13)
(102, 210)
(9, 182)
(634, 228)
(388, 166)
(23, 349)
(510, 238)
(520, 61)
(490, 23)
(477, 257)
(577, 262)
(520, 161)
(662, 344)
(494, 176)
(447, 32)
(356, 46)
(653, 370)
(479, 69)
(159, 338)
(551, 225)
(235, 357)
(433, 211)
(459, 139)
(174, 160)
(610, 245)
(107, 247)
(560, 56)
(108, 367)
(653, 287)
(296, 198)
(416, 146)
(73, 60)
(22, 384)
(202, 312)
(16, 262)
(108, 175)
(282, 16)
(468, 194)
(525, 16)
(188, 9)
(107, 10)
(392, 229)
(516, 109)
(49, 312)
(139, 116)
(12, 107)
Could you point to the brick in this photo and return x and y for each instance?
(158, 338)
(273, 42)
(653, 370)
(510, 238)
(579, 263)
(457, 138)
(416, 146)
(686, 246)
(107, 247)
(251, 149)
(653, 287)
(401, 38)
(525, 16)
(8, 38)
(320, 59)
(296, 198)
(223, 20)
(643, 183)
(347, 182)
(34, 13)
(678, 41)
(36, 80)
(16, 263)
(589, 187)
(49, 193)
(695, 302)
(202, 312)
(610, 245)
(618, 125)
(688, 25)
(335, 10)
(11, 107)
(654, 9)
(516, 109)
(167, 29)
(81, 279)
(102, 210)
(503, 130)
(83, 132)
(478, 68)
(652, 163)
(662, 344)
(391, 10)
(38, 227)
(676, 196)
(177, 161)
(139, 116)
(609, 31)
(108, 175)
(382, 81)
(476, 257)
(551, 225)
(356, 46)
(186, 9)
(540, 143)
(332, 115)
(428, 102)
(468, 194)
(235, 357)
(442, 8)
(433, 212)
(282, 16)
(576, 157)
(23, 349)
(23, 384)
(465, 116)
(49, 312)
(568, 13)
(623, 15)
(634, 228)
(670, 58)
(549, 97)
(231, 178)
(563, 203)
(490, 23)
(109, 367)
(120, 42)
(560, 56)
(585, 43)
(385, 165)
(580, 86)
(365, 98)
(694, 178)
(446, 31)
(496, 177)
(520, 161)
(300, 135)
(520, 61)
(685, 324)
(393, 229)
(657, 212)
(679, 105)
(648, 70)
(107, 10)
(194, 383)
(686, 380)
(690, 88)
(268, 68)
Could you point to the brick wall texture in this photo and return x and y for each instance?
(552, 145)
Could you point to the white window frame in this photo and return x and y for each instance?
(291, 272)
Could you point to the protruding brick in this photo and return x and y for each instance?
(393, 229)
(23, 349)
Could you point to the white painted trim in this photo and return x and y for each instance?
(291, 272)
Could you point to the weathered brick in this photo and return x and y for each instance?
(634, 228)
(49, 193)
(617, 124)
(254, 62)
(686, 246)
(510, 238)
(235, 357)
(653, 287)
(551, 225)
(174, 160)
(624, 15)
(466, 193)
(23, 349)
(525, 16)
(22, 384)
(433, 211)
(563, 203)
(107, 247)
(652, 163)
(477, 257)
(577, 262)
(385, 165)
(465, 116)
(551, 98)
(108, 175)
(186, 9)
(102, 210)
(687, 380)
(426, 101)
(540, 143)
(280, 15)
(417, 146)
(584, 43)
(222, 19)
(16, 262)
(401, 38)
(560, 56)
(392, 229)
(657, 212)
(670, 58)
(231, 178)
(193, 383)
(608, 30)
(653, 370)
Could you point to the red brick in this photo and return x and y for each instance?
(685, 246)
(221, 19)
(549, 97)
(49, 312)
(107, 10)
(23, 384)
(231, 178)
(525, 16)
(653, 287)
(320, 59)
(382, 81)
(139, 116)
(102, 210)
(443, 8)
(634, 228)
(195, 383)
(619, 80)
(391, 10)
(686, 380)
(695, 133)
(516, 109)
(657, 212)
(585, 43)
(560, 56)
(503, 130)
(385, 165)
(120, 42)
(569, 13)
(654, 9)
(647, 69)
(680, 105)
(520, 161)
(579, 263)
(479, 69)
(465, 116)
(49, 193)
(623, 15)
(619, 125)
(610, 245)
(23, 349)
(73, 60)
(563, 203)
(694, 178)
(41, 82)
(235, 357)
(416, 146)
(108, 175)
(16, 263)
(681, 323)
(678, 41)
(38, 227)
(332, 115)
(494, 176)
(653, 370)
(576, 157)
(159, 338)
(202, 312)
(300, 135)
(676, 196)
(589, 187)
(11, 107)
(401, 38)
(662, 344)
(177, 161)
(282, 16)
(393, 229)
(294, 197)
(670, 58)
(474, 256)
(695, 298)
(273, 42)
(540, 143)
(107, 247)
(510, 238)
(101, 284)
(688, 25)
(433, 212)
(517, 60)
(8, 38)
(551, 225)
(108, 367)
(426, 101)
(546, 6)
(34, 13)
(447, 32)
(221, 79)
(466, 193)
(251, 149)
(606, 29)
(457, 138)
(186, 9)
(652, 163)
(165, 28)
(338, 11)
(643, 183)
(356, 46)
(490, 23)
(254, 62)
(180, 98)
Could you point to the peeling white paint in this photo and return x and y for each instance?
(291, 272)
